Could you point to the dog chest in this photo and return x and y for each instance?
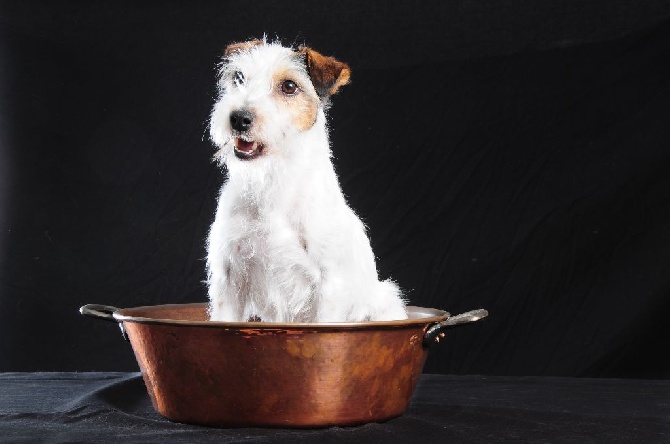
(271, 243)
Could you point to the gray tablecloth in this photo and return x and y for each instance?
(114, 407)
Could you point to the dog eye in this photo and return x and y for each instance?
(289, 87)
(238, 78)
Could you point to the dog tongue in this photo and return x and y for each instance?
(243, 145)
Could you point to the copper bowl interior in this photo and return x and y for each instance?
(195, 314)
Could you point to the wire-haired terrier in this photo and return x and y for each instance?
(284, 245)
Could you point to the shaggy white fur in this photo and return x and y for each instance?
(284, 245)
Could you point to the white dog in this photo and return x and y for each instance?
(285, 246)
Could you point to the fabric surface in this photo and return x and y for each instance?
(114, 407)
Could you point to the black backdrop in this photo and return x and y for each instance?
(507, 155)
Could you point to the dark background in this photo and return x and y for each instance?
(507, 155)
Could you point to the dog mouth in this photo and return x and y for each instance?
(247, 150)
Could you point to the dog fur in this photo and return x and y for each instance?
(284, 245)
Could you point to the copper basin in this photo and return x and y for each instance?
(260, 374)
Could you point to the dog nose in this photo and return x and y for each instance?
(241, 120)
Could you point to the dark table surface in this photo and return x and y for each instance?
(114, 407)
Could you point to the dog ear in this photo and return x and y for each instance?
(241, 46)
(327, 73)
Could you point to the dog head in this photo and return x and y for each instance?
(270, 99)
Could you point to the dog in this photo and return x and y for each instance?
(284, 245)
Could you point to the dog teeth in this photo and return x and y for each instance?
(245, 146)
(247, 149)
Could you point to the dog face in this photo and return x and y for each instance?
(269, 97)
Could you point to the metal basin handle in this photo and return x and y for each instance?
(104, 312)
(434, 332)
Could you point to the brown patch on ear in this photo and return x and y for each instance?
(327, 73)
(241, 46)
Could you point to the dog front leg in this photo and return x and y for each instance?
(225, 301)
